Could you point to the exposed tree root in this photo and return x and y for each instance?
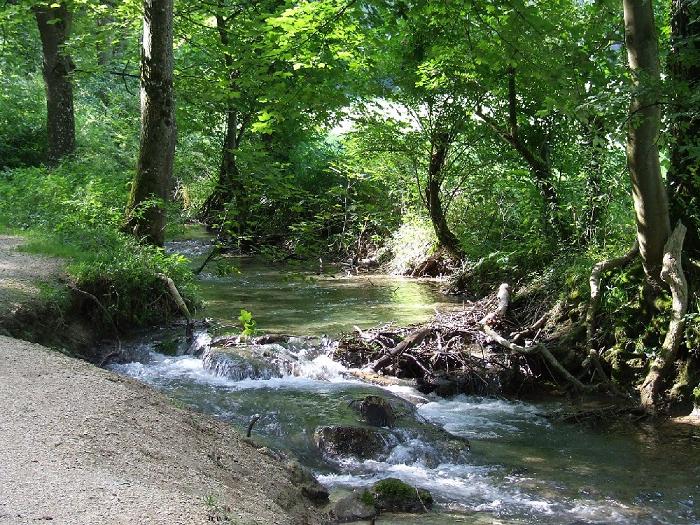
(593, 357)
(672, 274)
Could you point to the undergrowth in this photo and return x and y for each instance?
(75, 212)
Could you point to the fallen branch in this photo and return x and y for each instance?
(175, 294)
(411, 340)
(672, 274)
(535, 327)
(216, 250)
(254, 419)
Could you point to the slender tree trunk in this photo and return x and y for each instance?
(684, 172)
(146, 214)
(595, 210)
(536, 158)
(438, 157)
(54, 27)
(229, 187)
(648, 190)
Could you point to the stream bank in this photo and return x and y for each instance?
(36, 303)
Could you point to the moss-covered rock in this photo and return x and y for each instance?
(376, 411)
(393, 495)
(355, 507)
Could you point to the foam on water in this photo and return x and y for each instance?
(480, 417)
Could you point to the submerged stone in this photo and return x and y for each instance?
(246, 362)
(303, 478)
(376, 411)
(360, 442)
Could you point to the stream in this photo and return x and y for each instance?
(521, 468)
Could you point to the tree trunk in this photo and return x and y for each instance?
(648, 191)
(54, 28)
(594, 211)
(229, 187)
(672, 274)
(537, 158)
(684, 172)
(146, 214)
(438, 157)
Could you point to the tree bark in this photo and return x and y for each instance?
(146, 215)
(438, 157)
(648, 191)
(684, 173)
(54, 28)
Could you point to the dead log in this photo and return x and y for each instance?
(413, 339)
(503, 303)
(671, 274)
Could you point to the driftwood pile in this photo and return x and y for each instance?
(451, 354)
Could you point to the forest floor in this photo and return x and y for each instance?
(81, 445)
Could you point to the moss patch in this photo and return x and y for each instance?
(394, 495)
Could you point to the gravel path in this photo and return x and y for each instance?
(20, 274)
(79, 444)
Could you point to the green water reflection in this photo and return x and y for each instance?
(285, 299)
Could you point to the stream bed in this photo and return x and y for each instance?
(521, 467)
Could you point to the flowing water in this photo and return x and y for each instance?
(521, 468)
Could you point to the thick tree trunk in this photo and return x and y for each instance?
(648, 190)
(438, 158)
(54, 27)
(149, 193)
(684, 172)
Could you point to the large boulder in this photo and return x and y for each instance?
(360, 442)
(393, 495)
(358, 506)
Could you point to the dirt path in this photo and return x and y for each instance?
(82, 445)
(22, 273)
